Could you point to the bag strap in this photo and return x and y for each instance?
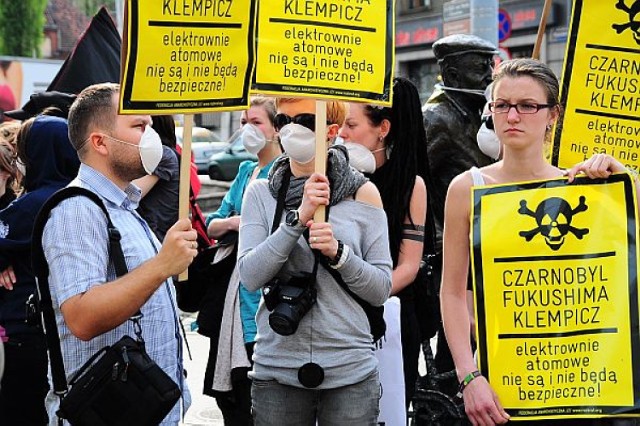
(336, 274)
(282, 192)
(430, 246)
(41, 270)
(198, 222)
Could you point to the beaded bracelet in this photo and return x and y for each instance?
(465, 382)
(343, 257)
(335, 260)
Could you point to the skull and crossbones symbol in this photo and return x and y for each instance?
(553, 217)
(633, 24)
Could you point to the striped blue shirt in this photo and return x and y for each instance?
(75, 243)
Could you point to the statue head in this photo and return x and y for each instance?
(466, 61)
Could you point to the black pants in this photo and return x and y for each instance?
(235, 405)
(410, 339)
(24, 384)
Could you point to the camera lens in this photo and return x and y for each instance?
(293, 303)
(284, 323)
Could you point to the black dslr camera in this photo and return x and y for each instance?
(289, 301)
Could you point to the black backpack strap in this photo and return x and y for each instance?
(282, 193)
(41, 271)
(375, 314)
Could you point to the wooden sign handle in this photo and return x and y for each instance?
(541, 29)
(185, 177)
(321, 149)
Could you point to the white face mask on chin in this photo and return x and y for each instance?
(360, 157)
(299, 143)
(488, 141)
(150, 149)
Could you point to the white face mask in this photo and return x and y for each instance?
(361, 158)
(150, 148)
(298, 142)
(253, 139)
(21, 167)
(488, 141)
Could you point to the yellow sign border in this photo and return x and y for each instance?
(543, 412)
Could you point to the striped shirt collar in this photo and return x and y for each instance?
(106, 189)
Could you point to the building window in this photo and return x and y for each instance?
(412, 5)
(424, 74)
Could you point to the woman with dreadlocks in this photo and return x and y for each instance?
(389, 146)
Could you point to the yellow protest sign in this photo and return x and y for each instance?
(601, 79)
(187, 56)
(555, 281)
(332, 49)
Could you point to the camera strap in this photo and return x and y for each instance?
(375, 314)
(282, 193)
(310, 375)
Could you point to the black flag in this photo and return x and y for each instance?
(94, 59)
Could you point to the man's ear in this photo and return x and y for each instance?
(97, 143)
(451, 77)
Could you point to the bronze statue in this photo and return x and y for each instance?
(452, 115)
(452, 118)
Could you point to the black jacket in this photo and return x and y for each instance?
(52, 163)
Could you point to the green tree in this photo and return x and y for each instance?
(21, 27)
(90, 7)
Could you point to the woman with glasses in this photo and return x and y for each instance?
(313, 358)
(525, 107)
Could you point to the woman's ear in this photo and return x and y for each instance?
(555, 114)
(385, 128)
(332, 131)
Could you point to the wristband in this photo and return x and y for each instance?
(465, 382)
(343, 257)
(335, 260)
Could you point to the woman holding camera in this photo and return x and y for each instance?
(258, 138)
(313, 358)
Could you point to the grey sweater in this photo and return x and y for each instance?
(335, 332)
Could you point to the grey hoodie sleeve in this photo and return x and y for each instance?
(260, 255)
(367, 270)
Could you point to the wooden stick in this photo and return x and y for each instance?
(321, 149)
(185, 177)
(541, 29)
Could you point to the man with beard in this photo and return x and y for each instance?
(91, 304)
(452, 118)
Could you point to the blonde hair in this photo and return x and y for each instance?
(336, 110)
(8, 155)
(268, 104)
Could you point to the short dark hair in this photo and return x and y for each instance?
(165, 126)
(92, 108)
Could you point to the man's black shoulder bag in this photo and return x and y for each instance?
(118, 385)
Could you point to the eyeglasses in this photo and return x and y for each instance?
(501, 107)
(307, 120)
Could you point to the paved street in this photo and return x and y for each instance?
(204, 410)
